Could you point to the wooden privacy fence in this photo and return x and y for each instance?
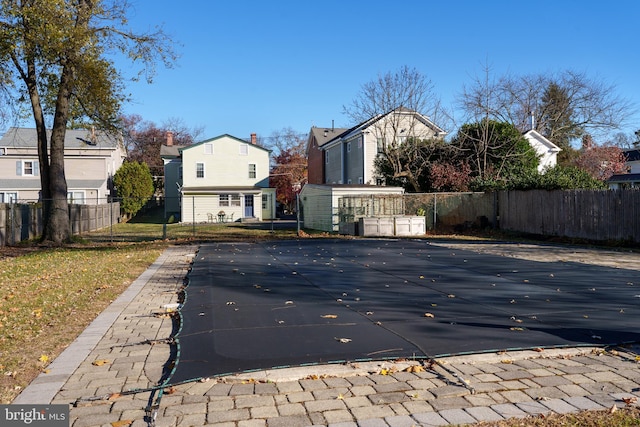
(19, 222)
(606, 215)
(600, 215)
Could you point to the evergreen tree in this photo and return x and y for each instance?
(134, 185)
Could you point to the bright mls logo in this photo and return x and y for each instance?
(36, 415)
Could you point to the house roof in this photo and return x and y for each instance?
(632, 155)
(223, 190)
(74, 138)
(362, 188)
(324, 135)
(167, 151)
(538, 137)
(625, 177)
(402, 110)
(226, 135)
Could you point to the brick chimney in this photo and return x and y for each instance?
(254, 138)
(169, 138)
(587, 142)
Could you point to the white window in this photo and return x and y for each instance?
(265, 201)
(199, 170)
(252, 170)
(360, 142)
(349, 181)
(208, 148)
(8, 197)
(27, 168)
(360, 180)
(75, 197)
(244, 149)
(381, 144)
(229, 200)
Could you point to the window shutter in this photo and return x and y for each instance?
(36, 168)
(19, 167)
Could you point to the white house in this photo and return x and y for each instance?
(349, 157)
(91, 158)
(546, 150)
(631, 179)
(220, 179)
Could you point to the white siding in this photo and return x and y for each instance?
(226, 166)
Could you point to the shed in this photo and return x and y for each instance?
(320, 203)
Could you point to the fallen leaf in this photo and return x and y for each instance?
(114, 396)
(629, 400)
(384, 371)
(100, 362)
(122, 423)
(538, 349)
(430, 315)
(329, 316)
(170, 390)
(507, 361)
(44, 358)
(613, 409)
(451, 296)
(515, 328)
(414, 368)
(343, 340)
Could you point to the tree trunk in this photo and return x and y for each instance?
(46, 194)
(56, 227)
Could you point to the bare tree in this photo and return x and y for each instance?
(562, 106)
(285, 139)
(395, 107)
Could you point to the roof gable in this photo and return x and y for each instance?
(360, 127)
(536, 137)
(219, 137)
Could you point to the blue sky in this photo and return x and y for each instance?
(259, 66)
